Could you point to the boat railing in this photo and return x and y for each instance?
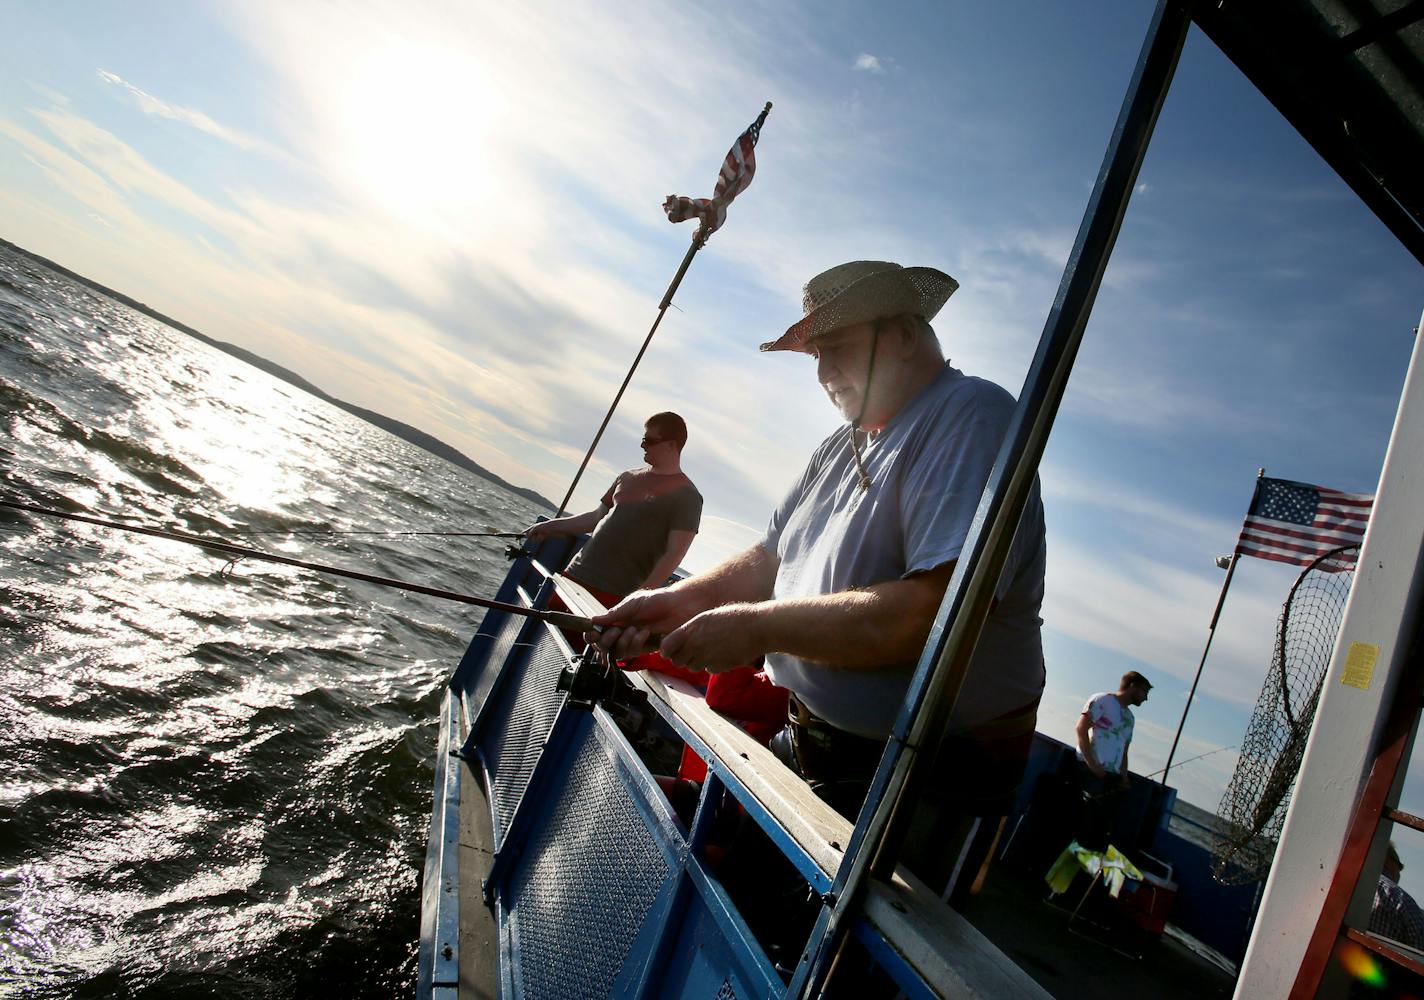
(910, 930)
(595, 886)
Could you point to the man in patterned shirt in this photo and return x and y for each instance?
(1394, 914)
(1104, 734)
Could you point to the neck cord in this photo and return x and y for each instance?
(864, 399)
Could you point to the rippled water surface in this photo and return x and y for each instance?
(213, 784)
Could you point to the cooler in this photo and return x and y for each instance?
(1151, 901)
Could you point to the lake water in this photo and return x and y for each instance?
(213, 784)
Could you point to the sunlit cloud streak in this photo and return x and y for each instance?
(151, 105)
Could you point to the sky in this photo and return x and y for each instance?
(450, 213)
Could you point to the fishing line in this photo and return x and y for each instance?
(1190, 759)
(319, 532)
(343, 531)
(558, 619)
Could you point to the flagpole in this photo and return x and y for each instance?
(699, 240)
(1211, 634)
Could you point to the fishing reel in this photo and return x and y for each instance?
(589, 678)
(593, 678)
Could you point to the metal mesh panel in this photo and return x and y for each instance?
(489, 653)
(518, 724)
(585, 884)
(1253, 809)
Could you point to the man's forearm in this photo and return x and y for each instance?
(564, 527)
(575, 524)
(748, 576)
(880, 625)
(678, 544)
(1085, 745)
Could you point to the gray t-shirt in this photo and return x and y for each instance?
(928, 468)
(644, 507)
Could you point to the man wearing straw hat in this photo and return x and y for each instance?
(841, 591)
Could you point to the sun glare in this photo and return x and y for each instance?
(416, 123)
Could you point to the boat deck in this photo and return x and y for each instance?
(1081, 962)
(479, 935)
(1084, 960)
(529, 738)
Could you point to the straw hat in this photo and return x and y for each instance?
(863, 291)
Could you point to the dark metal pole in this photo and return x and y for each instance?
(1210, 634)
(942, 668)
(699, 240)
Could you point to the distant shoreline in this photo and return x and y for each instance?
(390, 425)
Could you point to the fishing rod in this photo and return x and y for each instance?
(558, 619)
(1190, 759)
(343, 531)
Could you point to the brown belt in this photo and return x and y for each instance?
(824, 752)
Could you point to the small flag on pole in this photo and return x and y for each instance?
(1298, 523)
(734, 177)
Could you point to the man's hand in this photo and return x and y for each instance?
(629, 624)
(1095, 769)
(717, 640)
(537, 531)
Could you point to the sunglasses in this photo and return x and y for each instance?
(648, 442)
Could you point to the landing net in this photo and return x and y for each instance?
(1253, 808)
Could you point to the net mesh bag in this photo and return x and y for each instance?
(1254, 805)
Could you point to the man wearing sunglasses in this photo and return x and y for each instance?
(643, 526)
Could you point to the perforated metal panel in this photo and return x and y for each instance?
(518, 723)
(585, 883)
(483, 661)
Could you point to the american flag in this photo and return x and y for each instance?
(736, 173)
(1298, 523)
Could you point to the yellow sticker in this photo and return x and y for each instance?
(1360, 665)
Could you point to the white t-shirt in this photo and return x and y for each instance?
(1111, 732)
(927, 467)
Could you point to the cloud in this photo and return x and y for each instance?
(506, 352)
(1135, 513)
(868, 63)
(69, 175)
(49, 93)
(191, 117)
(1156, 612)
